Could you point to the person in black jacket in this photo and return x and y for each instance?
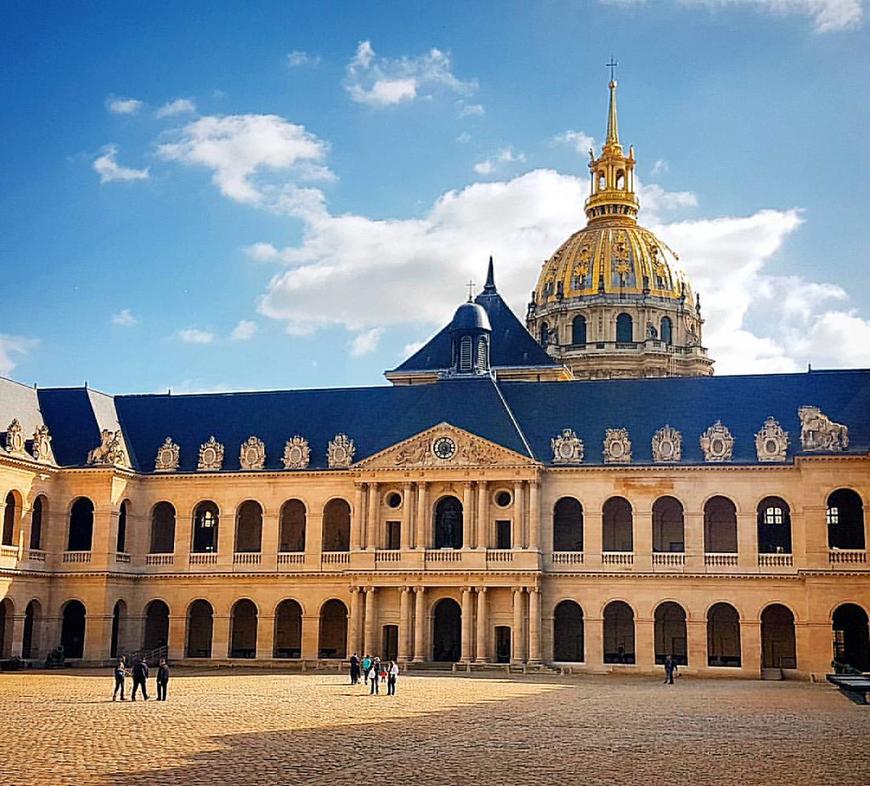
(162, 680)
(140, 675)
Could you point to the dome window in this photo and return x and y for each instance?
(578, 331)
(545, 334)
(624, 329)
(667, 332)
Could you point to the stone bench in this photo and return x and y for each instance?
(854, 687)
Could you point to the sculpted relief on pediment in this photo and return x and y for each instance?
(444, 446)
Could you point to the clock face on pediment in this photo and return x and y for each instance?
(444, 448)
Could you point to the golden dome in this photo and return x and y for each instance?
(612, 257)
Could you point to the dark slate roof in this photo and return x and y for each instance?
(375, 418)
(690, 405)
(512, 345)
(71, 421)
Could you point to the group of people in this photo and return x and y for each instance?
(374, 672)
(140, 674)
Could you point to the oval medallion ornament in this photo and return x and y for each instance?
(296, 453)
(444, 448)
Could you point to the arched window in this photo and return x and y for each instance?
(624, 329)
(720, 526)
(568, 525)
(336, 526)
(602, 181)
(332, 642)
(37, 515)
(620, 179)
(465, 353)
(162, 529)
(10, 514)
(851, 640)
(618, 633)
(668, 526)
(121, 540)
(206, 519)
(200, 623)
(292, 535)
(774, 526)
(447, 631)
(845, 517)
(243, 630)
(448, 523)
(545, 334)
(7, 612)
(482, 353)
(617, 525)
(578, 331)
(723, 635)
(81, 525)
(288, 630)
(30, 641)
(777, 638)
(568, 633)
(667, 331)
(156, 626)
(249, 527)
(670, 633)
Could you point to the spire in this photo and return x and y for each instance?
(612, 122)
(489, 286)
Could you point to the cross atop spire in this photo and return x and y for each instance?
(611, 65)
(470, 286)
(612, 123)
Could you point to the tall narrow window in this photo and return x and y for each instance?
(578, 331)
(545, 334)
(36, 524)
(624, 329)
(465, 353)
(482, 353)
(667, 331)
(121, 543)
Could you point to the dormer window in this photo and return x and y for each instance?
(465, 353)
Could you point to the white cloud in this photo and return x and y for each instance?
(506, 155)
(826, 15)
(110, 170)
(366, 343)
(241, 149)
(471, 110)
(660, 167)
(261, 252)
(387, 273)
(124, 318)
(296, 58)
(380, 82)
(12, 347)
(123, 106)
(579, 140)
(180, 106)
(244, 330)
(464, 138)
(195, 336)
(411, 347)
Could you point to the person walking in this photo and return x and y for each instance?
(375, 676)
(140, 675)
(120, 673)
(354, 669)
(670, 670)
(366, 667)
(162, 680)
(392, 676)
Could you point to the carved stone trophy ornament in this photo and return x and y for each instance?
(41, 449)
(617, 446)
(110, 451)
(771, 443)
(167, 456)
(820, 433)
(15, 439)
(717, 443)
(340, 452)
(297, 454)
(667, 445)
(252, 454)
(211, 455)
(567, 448)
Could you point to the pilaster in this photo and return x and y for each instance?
(534, 625)
(404, 624)
(517, 632)
(420, 625)
(467, 627)
(482, 626)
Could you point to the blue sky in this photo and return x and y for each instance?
(293, 195)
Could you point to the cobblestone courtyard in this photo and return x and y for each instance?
(265, 728)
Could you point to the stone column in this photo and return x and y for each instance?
(420, 541)
(183, 537)
(220, 636)
(534, 625)
(809, 536)
(370, 645)
(696, 633)
(693, 533)
(420, 625)
(467, 515)
(593, 642)
(310, 636)
(177, 643)
(482, 626)
(17, 643)
(356, 602)
(534, 540)
(373, 523)
(519, 515)
(642, 537)
(747, 540)
(467, 625)
(750, 647)
(269, 540)
(265, 636)
(517, 633)
(644, 643)
(404, 624)
(357, 516)
(483, 534)
(407, 519)
(98, 637)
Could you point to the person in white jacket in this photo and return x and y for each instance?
(392, 675)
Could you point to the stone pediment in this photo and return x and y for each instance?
(444, 446)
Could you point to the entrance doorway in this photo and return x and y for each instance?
(447, 634)
(777, 638)
(390, 642)
(502, 644)
(851, 637)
